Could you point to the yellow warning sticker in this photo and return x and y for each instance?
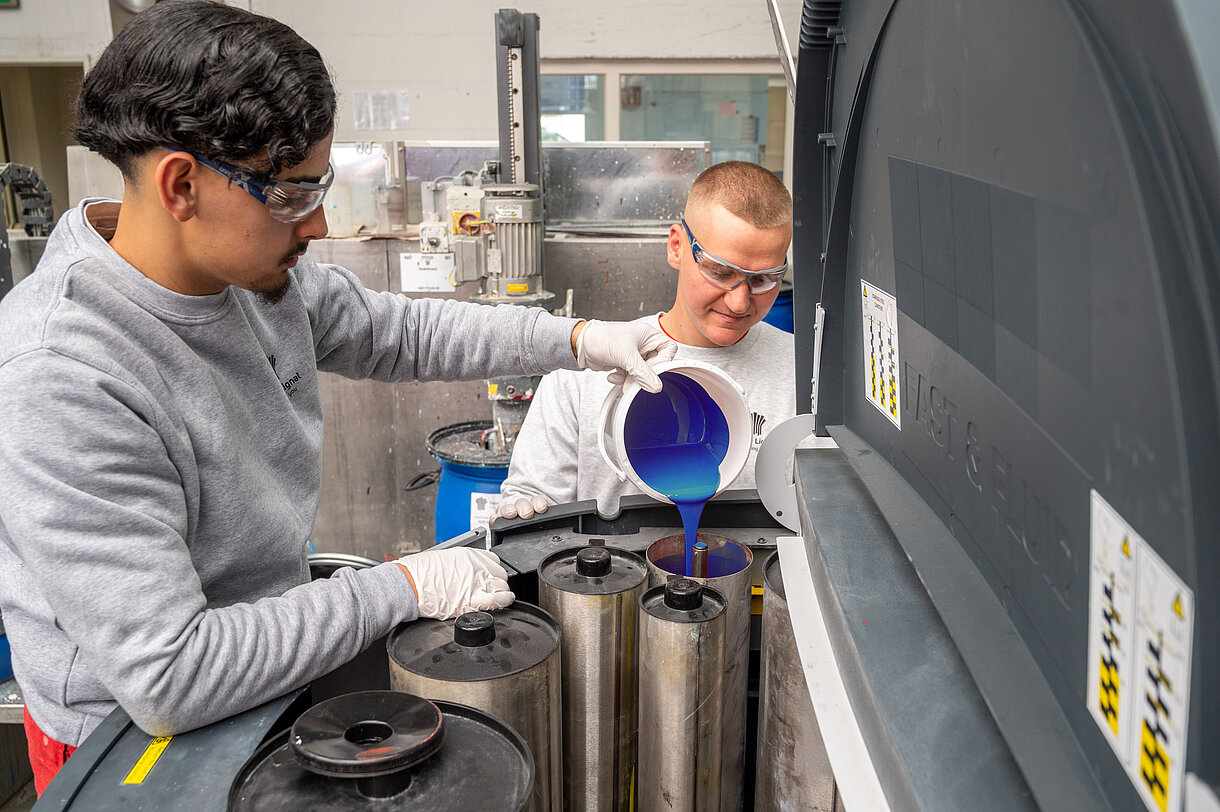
(517, 287)
(880, 321)
(1141, 623)
(151, 753)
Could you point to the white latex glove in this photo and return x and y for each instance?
(627, 347)
(452, 582)
(523, 506)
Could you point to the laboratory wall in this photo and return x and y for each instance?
(438, 61)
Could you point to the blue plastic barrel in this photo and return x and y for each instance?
(780, 314)
(471, 464)
(6, 659)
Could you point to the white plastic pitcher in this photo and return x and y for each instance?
(727, 394)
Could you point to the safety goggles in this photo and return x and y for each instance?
(286, 201)
(727, 276)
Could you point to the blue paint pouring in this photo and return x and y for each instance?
(675, 440)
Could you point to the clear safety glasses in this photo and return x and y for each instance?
(724, 274)
(286, 201)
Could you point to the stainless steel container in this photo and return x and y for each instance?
(728, 567)
(506, 664)
(324, 565)
(682, 649)
(593, 593)
(792, 770)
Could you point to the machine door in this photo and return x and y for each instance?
(1018, 204)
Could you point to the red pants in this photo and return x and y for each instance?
(46, 754)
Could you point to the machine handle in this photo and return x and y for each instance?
(776, 488)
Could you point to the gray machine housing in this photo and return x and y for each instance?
(1038, 186)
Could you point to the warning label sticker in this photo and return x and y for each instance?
(880, 321)
(1141, 621)
(427, 273)
(483, 508)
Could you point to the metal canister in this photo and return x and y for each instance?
(792, 770)
(682, 649)
(506, 664)
(388, 751)
(728, 568)
(324, 565)
(593, 593)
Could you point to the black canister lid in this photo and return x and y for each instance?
(482, 763)
(593, 562)
(773, 578)
(593, 570)
(369, 733)
(522, 636)
(683, 593)
(706, 603)
(474, 629)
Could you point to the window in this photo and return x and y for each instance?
(730, 111)
(573, 107)
(739, 105)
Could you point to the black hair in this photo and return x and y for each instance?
(212, 79)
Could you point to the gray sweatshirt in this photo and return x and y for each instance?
(160, 467)
(557, 456)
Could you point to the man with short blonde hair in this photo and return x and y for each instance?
(730, 251)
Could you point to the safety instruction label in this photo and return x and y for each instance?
(427, 273)
(880, 321)
(149, 758)
(1141, 623)
(483, 508)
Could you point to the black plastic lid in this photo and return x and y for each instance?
(483, 764)
(523, 635)
(683, 593)
(593, 570)
(370, 733)
(710, 602)
(474, 629)
(593, 562)
(773, 578)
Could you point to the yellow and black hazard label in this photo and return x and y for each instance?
(147, 760)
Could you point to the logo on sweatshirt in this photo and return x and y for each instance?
(757, 437)
(290, 383)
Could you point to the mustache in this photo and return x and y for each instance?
(300, 249)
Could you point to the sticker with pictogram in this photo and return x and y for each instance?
(880, 321)
(427, 273)
(1141, 622)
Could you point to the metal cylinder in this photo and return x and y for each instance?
(682, 649)
(593, 593)
(506, 664)
(383, 750)
(792, 770)
(728, 566)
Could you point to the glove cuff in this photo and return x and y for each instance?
(581, 360)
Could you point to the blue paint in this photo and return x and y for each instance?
(675, 440)
(721, 561)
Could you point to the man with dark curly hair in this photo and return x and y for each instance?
(161, 462)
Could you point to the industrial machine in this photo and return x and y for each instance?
(487, 226)
(999, 582)
(1008, 214)
(21, 248)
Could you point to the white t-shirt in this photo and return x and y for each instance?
(557, 456)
